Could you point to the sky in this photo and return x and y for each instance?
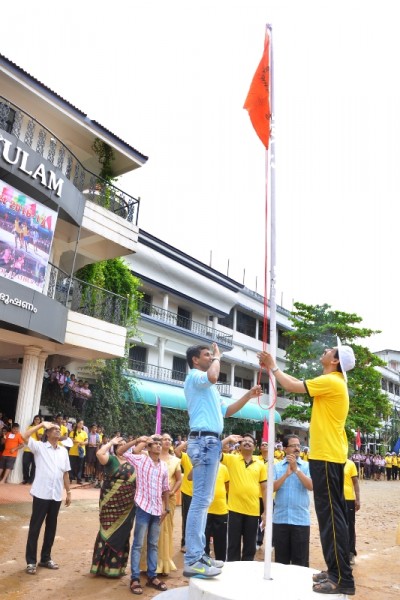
(170, 78)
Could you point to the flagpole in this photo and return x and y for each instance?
(270, 179)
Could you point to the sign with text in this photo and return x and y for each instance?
(26, 235)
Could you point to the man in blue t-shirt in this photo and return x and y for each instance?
(206, 420)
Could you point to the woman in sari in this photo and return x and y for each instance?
(117, 512)
(165, 544)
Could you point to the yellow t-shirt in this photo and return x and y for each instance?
(63, 431)
(395, 461)
(328, 440)
(350, 471)
(187, 486)
(244, 484)
(35, 437)
(219, 505)
(279, 454)
(81, 436)
(388, 461)
(304, 456)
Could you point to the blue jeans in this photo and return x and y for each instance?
(204, 453)
(150, 524)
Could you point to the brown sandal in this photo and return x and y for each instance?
(160, 586)
(135, 587)
(318, 577)
(330, 587)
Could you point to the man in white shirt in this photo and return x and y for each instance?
(52, 475)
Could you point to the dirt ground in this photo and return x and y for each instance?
(376, 572)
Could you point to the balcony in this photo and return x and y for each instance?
(87, 299)
(24, 127)
(144, 370)
(186, 325)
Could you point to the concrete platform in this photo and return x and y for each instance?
(245, 580)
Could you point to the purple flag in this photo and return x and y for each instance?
(158, 416)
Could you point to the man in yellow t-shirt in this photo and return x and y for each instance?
(328, 454)
(217, 516)
(246, 475)
(352, 497)
(388, 465)
(395, 466)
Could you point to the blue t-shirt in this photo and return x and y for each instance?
(204, 403)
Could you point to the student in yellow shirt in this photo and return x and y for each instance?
(28, 460)
(217, 516)
(352, 497)
(186, 487)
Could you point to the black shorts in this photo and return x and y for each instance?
(7, 462)
(90, 455)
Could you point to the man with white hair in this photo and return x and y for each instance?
(328, 454)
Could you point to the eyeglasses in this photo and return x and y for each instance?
(294, 446)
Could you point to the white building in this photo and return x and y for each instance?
(56, 215)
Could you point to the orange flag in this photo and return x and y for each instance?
(258, 101)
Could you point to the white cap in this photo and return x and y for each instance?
(346, 358)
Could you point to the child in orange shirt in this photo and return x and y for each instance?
(13, 442)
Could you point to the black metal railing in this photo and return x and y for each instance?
(176, 320)
(144, 370)
(26, 128)
(85, 298)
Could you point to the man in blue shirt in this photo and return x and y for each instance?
(206, 419)
(291, 516)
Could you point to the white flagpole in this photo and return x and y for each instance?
(270, 170)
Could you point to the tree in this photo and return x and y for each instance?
(316, 328)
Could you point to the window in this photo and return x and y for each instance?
(138, 358)
(245, 324)
(178, 368)
(283, 340)
(222, 378)
(184, 318)
(241, 382)
(227, 321)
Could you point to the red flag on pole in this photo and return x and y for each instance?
(265, 430)
(158, 416)
(358, 439)
(258, 99)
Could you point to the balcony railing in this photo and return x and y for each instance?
(144, 370)
(87, 299)
(199, 329)
(27, 129)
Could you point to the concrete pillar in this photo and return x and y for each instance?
(25, 402)
(165, 302)
(161, 351)
(39, 383)
(232, 374)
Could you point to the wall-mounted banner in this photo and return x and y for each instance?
(26, 234)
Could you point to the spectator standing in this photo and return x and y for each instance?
(217, 516)
(28, 459)
(52, 467)
(247, 475)
(352, 497)
(291, 515)
(152, 506)
(13, 442)
(186, 487)
(77, 452)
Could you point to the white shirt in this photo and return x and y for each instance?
(51, 464)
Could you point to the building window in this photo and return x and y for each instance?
(245, 324)
(243, 383)
(7, 116)
(138, 358)
(184, 318)
(178, 368)
(227, 321)
(283, 340)
(222, 378)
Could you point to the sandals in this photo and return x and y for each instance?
(318, 577)
(160, 586)
(31, 569)
(49, 564)
(330, 587)
(135, 587)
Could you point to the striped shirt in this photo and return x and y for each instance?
(151, 482)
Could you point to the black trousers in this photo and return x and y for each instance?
(41, 510)
(217, 528)
(389, 473)
(351, 518)
(395, 470)
(292, 544)
(28, 467)
(330, 507)
(76, 463)
(186, 500)
(241, 526)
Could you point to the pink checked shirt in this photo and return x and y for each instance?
(151, 482)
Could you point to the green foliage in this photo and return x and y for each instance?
(316, 328)
(105, 155)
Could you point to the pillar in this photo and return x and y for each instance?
(25, 402)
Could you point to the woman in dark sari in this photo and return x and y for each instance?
(117, 512)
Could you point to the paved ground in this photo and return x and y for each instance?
(376, 572)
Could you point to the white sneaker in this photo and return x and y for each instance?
(201, 569)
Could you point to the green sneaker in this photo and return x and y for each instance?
(201, 569)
